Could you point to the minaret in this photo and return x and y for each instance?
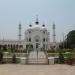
(19, 33)
(37, 20)
(54, 35)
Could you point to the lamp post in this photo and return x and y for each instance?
(63, 40)
(37, 51)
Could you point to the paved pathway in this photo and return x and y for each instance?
(11, 69)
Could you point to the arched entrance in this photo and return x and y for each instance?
(37, 42)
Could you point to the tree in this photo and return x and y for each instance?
(4, 48)
(61, 45)
(71, 39)
(29, 47)
(1, 56)
(69, 42)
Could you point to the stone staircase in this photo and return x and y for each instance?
(37, 58)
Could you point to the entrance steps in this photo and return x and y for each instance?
(37, 58)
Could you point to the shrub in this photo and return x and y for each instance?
(14, 59)
(61, 58)
(1, 57)
(70, 59)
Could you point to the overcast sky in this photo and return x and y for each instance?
(62, 12)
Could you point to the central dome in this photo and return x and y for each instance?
(36, 26)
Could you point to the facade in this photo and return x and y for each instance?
(12, 44)
(36, 35)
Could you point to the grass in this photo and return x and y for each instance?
(17, 54)
(65, 53)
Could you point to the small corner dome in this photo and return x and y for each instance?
(37, 27)
(43, 27)
(30, 25)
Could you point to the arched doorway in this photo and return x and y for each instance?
(37, 42)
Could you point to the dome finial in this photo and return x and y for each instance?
(37, 20)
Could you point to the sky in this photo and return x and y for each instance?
(62, 12)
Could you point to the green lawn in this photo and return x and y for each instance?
(64, 54)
